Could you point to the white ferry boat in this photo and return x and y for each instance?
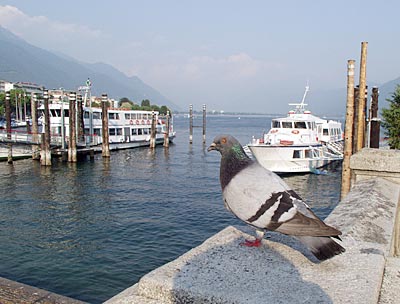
(299, 143)
(127, 128)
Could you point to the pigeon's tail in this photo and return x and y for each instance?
(323, 247)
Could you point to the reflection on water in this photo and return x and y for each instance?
(90, 230)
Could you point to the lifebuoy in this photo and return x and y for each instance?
(137, 122)
(148, 122)
(295, 131)
(131, 122)
(142, 122)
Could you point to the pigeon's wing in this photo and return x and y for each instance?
(262, 199)
(258, 197)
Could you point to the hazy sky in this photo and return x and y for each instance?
(231, 55)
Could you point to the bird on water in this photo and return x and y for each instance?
(263, 200)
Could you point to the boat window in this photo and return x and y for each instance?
(307, 154)
(146, 131)
(111, 132)
(86, 114)
(119, 131)
(275, 124)
(97, 131)
(53, 113)
(134, 131)
(66, 113)
(96, 115)
(300, 125)
(287, 124)
(140, 132)
(309, 125)
(113, 116)
(296, 153)
(127, 116)
(325, 132)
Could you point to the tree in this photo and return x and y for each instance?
(145, 103)
(391, 119)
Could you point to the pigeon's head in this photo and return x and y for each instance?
(224, 144)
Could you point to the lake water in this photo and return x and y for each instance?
(92, 229)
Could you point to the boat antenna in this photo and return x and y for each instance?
(300, 107)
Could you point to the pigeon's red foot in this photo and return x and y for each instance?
(255, 243)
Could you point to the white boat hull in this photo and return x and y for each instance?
(280, 159)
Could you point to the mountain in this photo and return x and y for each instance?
(21, 61)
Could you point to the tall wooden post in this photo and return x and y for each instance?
(153, 131)
(374, 121)
(191, 124)
(45, 154)
(204, 123)
(8, 126)
(361, 98)
(348, 145)
(80, 123)
(355, 119)
(35, 127)
(72, 153)
(166, 134)
(105, 151)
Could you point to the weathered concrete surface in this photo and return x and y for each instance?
(282, 270)
(376, 163)
(12, 292)
(390, 291)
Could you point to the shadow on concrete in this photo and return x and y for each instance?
(222, 271)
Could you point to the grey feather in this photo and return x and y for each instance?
(263, 200)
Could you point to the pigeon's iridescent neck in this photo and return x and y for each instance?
(232, 163)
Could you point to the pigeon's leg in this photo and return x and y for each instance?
(256, 242)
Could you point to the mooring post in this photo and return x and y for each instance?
(105, 148)
(204, 123)
(166, 133)
(35, 127)
(374, 122)
(348, 144)
(72, 153)
(8, 127)
(45, 154)
(361, 98)
(81, 125)
(153, 131)
(191, 124)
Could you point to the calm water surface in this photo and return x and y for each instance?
(92, 229)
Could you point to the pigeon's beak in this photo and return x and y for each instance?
(212, 147)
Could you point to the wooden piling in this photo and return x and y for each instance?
(8, 126)
(191, 124)
(45, 153)
(374, 128)
(72, 153)
(80, 122)
(361, 98)
(348, 145)
(166, 134)
(153, 131)
(105, 151)
(204, 123)
(35, 127)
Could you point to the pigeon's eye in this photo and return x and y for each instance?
(223, 140)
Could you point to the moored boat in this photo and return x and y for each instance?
(299, 143)
(127, 128)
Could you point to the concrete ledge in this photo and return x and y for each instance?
(12, 292)
(376, 162)
(282, 270)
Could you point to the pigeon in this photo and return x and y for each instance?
(264, 201)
